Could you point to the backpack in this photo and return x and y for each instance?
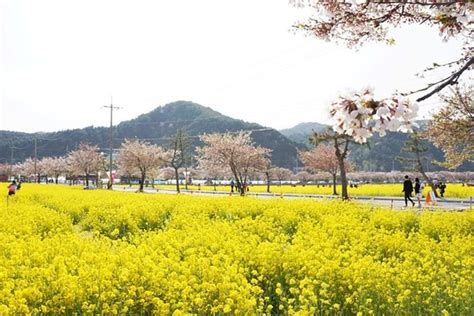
(417, 187)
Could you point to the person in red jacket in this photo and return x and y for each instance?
(12, 188)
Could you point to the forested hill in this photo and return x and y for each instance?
(379, 154)
(300, 133)
(156, 127)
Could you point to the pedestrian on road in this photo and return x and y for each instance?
(408, 189)
(442, 188)
(231, 185)
(418, 191)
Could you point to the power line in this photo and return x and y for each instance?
(175, 121)
(200, 135)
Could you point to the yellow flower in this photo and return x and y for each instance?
(61, 253)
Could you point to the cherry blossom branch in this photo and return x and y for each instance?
(435, 3)
(450, 80)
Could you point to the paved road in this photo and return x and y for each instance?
(391, 202)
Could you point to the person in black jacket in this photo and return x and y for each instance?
(442, 188)
(408, 189)
(419, 191)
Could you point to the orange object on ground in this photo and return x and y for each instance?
(430, 198)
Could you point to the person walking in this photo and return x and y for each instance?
(418, 191)
(232, 186)
(408, 189)
(12, 188)
(442, 188)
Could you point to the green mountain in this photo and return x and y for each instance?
(300, 133)
(379, 154)
(156, 127)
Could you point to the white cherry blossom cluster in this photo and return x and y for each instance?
(360, 115)
(355, 22)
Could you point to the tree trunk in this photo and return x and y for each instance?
(87, 180)
(268, 181)
(98, 181)
(342, 168)
(239, 184)
(243, 188)
(142, 181)
(334, 176)
(57, 179)
(424, 175)
(176, 175)
(186, 176)
(430, 183)
(345, 195)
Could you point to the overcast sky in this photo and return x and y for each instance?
(62, 60)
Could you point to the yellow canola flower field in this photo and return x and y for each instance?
(65, 250)
(452, 190)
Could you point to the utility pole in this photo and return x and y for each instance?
(36, 159)
(12, 147)
(111, 140)
(11, 155)
(296, 164)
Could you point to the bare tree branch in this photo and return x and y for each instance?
(451, 80)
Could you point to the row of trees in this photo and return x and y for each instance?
(223, 156)
(356, 118)
(55, 167)
(85, 161)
